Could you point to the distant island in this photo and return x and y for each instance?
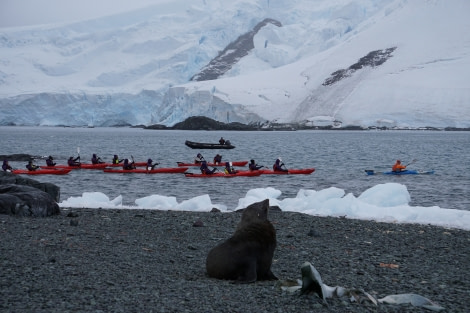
(205, 123)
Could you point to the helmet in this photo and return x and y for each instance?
(149, 161)
(279, 158)
(398, 161)
(252, 161)
(50, 157)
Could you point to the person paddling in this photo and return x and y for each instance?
(31, 167)
(398, 167)
(217, 159)
(229, 168)
(73, 162)
(278, 166)
(50, 161)
(127, 165)
(205, 169)
(95, 159)
(151, 166)
(253, 166)
(6, 166)
(199, 158)
(116, 159)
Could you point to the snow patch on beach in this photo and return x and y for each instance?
(383, 203)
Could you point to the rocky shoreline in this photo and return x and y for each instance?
(96, 260)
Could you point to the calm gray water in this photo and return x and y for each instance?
(339, 157)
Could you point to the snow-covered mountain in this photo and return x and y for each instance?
(360, 62)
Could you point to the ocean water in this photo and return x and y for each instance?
(339, 157)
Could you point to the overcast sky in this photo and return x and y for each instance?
(31, 12)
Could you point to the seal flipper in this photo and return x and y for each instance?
(311, 280)
(268, 276)
(248, 275)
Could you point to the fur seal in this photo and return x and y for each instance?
(247, 255)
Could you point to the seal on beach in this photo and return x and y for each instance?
(247, 255)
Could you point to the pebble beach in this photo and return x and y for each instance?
(100, 260)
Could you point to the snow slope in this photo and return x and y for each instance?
(135, 67)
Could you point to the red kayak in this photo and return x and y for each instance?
(120, 164)
(304, 171)
(222, 174)
(84, 166)
(235, 163)
(145, 171)
(41, 171)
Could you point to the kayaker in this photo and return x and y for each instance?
(217, 159)
(222, 140)
(205, 169)
(127, 165)
(6, 166)
(253, 166)
(151, 166)
(31, 167)
(229, 168)
(73, 162)
(398, 167)
(116, 159)
(278, 166)
(199, 158)
(50, 161)
(95, 159)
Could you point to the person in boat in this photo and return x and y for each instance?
(398, 167)
(6, 166)
(95, 159)
(229, 168)
(222, 141)
(50, 161)
(278, 166)
(217, 159)
(150, 166)
(31, 167)
(73, 162)
(199, 158)
(128, 165)
(253, 166)
(116, 159)
(205, 169)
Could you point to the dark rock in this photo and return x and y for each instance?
(198, 223)
(215, 210)
(25, 200)
(205, 123)
(313, 233)
(74, 222)
(18, 157)
(51, 189)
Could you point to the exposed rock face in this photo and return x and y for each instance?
(232, 53)
(372, 59)
(27, 197)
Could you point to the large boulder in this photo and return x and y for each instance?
(27, 197)
(51, 189)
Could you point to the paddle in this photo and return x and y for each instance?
(78, 152)
(133, 162)
(412, 161)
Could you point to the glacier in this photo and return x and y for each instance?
(244, 61)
